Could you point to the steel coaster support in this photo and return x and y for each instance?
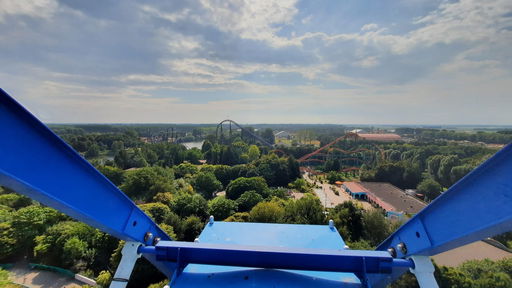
(130, 255)
(424, 271)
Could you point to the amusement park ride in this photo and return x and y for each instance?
(37, 163)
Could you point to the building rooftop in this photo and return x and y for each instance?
(389, 137)
(355, 187)
(395, 197)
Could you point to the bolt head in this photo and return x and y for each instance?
(402, 248)
(392, 252)
(148, 236)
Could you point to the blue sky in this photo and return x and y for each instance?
(276, 61)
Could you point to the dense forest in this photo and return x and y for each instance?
(237, 179)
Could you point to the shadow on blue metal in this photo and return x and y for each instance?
(288, 237)
(37, 163)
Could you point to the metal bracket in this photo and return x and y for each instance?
(124, 270)
(424, 271)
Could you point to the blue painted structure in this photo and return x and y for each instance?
(35, 162)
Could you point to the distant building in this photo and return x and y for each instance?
(355, 190)
(388, 137)
(393, 200)
(283, 135)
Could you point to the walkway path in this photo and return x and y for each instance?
(22, 274)
(329, 199)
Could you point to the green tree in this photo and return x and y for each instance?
(221, 208)
(253, 153)
(185, 169)
(275, 170)
(248, 200)
(116, 147)
(164, 198)
(445, 167)
(390, 172)
(334, 176)
(66, 244)
(4, 278)
(114, 174)
(93, 151)
(15, 201)
(138, 160)
(145, 183)
(238, 217)
(193, 156)
(433, 164)
(8, 244)
(348, 218)
(376, 226)
(430, 188)
(206, 184)
(240, 185)
(293, 168)
(122, 159)
(28, 222)
(306, 210)
(207, 146)
(75, 248)
(267, 212)
(104, 279)
(192, 227)
(300, 185)
(223, 174)
(458, 172)
(157, 211)
(186, 205)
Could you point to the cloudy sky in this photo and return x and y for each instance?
(275, 61)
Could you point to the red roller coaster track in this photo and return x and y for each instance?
(307, 157)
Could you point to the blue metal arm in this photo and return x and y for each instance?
(476, 207)
(340, 260)
(37, 163)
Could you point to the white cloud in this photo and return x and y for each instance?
(253, 19)
(369, 27)
(186, 56)
(32, 8)
(368, 62)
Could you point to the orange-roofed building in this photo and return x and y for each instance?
(388, 137)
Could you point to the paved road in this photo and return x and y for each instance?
(329, 199)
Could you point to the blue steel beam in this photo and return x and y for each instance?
(341, 260)
(476, 207)
(37, 163)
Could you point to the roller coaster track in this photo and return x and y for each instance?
(257, 137)
(307, 157)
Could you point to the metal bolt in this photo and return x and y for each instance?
(211, 220)
(331, 224)
(402, 248)
(392, 252)
(148, 236)
(196, 240)
(156, 240)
